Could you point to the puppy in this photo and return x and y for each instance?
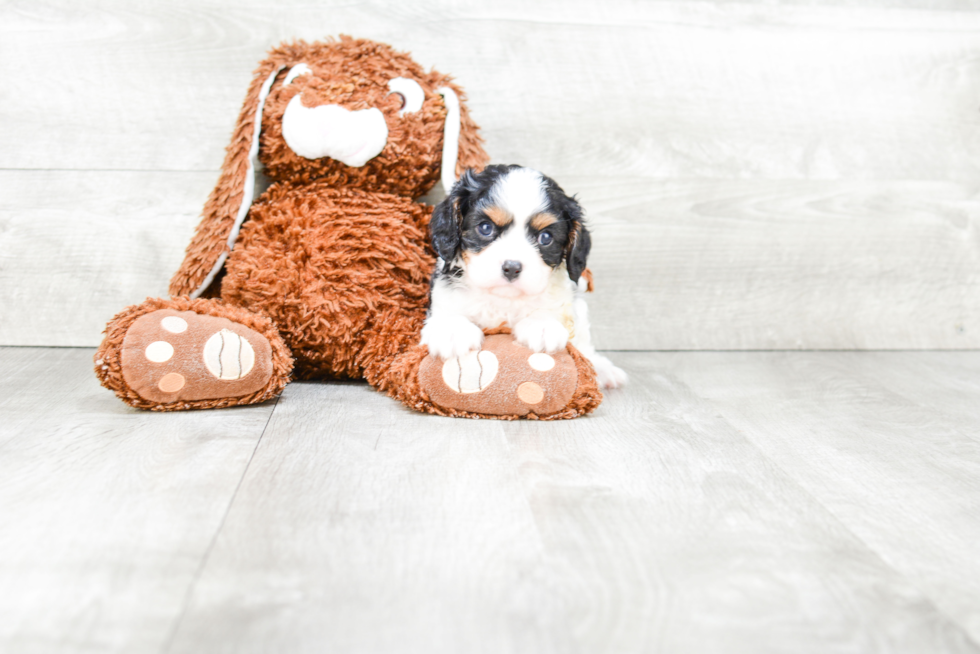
(512, 248)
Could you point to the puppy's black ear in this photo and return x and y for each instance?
(579, 241)
(444, 228)
(577, 254)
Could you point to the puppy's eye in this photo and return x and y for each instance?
(545, 238)
(485, 228)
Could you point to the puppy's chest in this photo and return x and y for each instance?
(487, 311)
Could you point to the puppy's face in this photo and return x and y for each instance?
(509, 228)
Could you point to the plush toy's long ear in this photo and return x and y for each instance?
(230, 200)
(462, 145)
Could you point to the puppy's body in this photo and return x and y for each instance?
(512, 248)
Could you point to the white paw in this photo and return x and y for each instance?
(607, 374)
(451, 336)
(541, 334)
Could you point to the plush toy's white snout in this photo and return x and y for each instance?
(351, 137)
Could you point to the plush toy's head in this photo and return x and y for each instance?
(346, 113)
(360, 114)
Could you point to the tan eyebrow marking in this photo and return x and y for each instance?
(542, 220)
(500, 217)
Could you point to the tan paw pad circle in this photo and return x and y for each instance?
(228, 356)
(530, 392)
(159, 351)
(171, 382)
(471, 373)
(174, 325)
(541, 362)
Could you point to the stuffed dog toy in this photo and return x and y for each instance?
(327, 273)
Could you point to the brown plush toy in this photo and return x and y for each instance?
(327, 273)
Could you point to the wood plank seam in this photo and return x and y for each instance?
(168, 642)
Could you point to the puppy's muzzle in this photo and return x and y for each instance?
(511, 269)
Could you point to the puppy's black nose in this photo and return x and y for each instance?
(511, 270)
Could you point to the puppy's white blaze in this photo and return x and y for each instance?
(521, 193)
(351, 137)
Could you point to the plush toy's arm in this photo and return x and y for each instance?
(228, 204)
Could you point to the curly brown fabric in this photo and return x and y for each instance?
(352, 266)
(409, 165)
(332, 265)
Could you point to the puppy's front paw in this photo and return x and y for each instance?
(541, 334)
(607, 374)
(451, 336)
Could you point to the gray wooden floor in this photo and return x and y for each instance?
(724, 502)
(758, 175)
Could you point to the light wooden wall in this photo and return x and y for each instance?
(758, 175)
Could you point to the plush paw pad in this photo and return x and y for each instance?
(470, 373)
(169, 356)
(504, 378)
(228, 356)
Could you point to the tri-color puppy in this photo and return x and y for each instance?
(512, 248)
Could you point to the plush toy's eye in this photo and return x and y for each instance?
(412, 94)
(294, 72)
(485, 228)
(545, 238)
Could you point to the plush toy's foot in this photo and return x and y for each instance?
(186, 354)
(506, 380)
